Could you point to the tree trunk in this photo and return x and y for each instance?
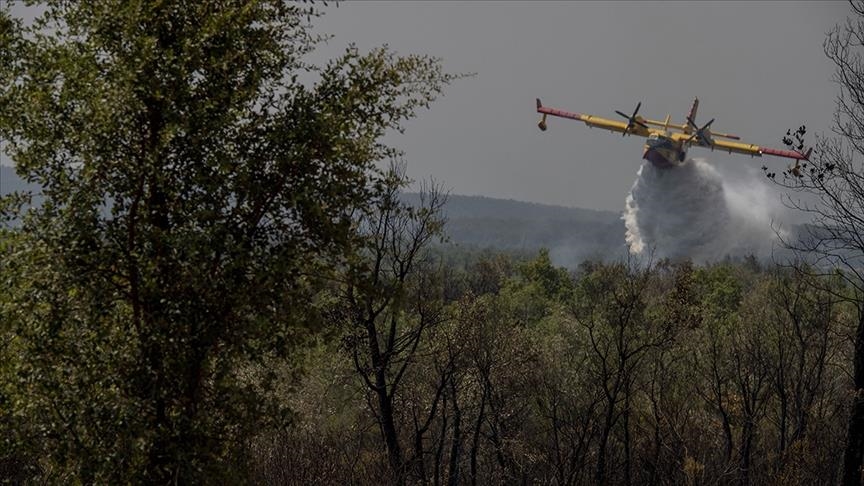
(475, 441)
(627, 452)
(855, 435)
(455, 448)
(746, 451)
(600, 474)
(388, 427)
(385, 404)
(442, 437)
(419, 463)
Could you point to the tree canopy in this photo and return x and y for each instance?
(198, 175)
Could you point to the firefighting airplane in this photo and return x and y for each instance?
(666, 147)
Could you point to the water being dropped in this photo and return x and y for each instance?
(690, 211)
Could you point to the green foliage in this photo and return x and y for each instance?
(554, 281)
(620, 374)
(196, 172)
(719, 289)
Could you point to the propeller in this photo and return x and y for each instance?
(700, 132)
(631, 119)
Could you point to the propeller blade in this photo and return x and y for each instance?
(692, 123)
(708, 124)
(631, 119)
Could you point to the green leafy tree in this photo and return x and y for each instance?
(196, 172)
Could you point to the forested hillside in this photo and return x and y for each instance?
(478, 223)
(518, 372)
(570, 234)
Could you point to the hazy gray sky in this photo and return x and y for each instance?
(758, 68)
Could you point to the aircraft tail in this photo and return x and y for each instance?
(692, 115)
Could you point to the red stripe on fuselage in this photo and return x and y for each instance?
(559, 113)
(783, 153)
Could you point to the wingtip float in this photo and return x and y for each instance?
(666, 146)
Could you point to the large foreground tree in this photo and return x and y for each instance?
(196, 171)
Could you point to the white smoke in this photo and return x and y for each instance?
(692, 211)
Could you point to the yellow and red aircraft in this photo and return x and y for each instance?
(667, 146)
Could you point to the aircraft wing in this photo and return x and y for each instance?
(689, 131)
(746, 148)
(606, 124)
(593, 121)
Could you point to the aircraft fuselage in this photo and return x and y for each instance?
(663, 151)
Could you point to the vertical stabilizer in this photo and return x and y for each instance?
(692, 115)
